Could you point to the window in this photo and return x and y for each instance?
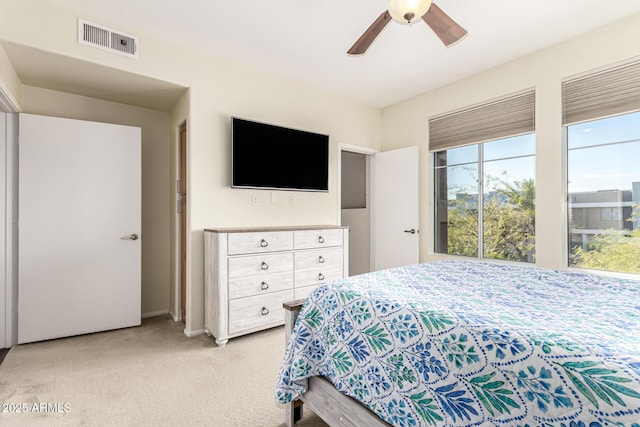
(601, 113)
(499, 177)
(611, 214)
(484, 179)
(604, 193)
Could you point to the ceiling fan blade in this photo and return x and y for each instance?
(370, 35)
(445, 28)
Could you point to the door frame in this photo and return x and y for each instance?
(9, 197)
(369, 152)
(176, 234)
(182, 220)
(4, 248)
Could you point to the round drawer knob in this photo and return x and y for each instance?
(264, 243)
(264, 286)
(320, 239)
(321, 259)
(320, 276)
(264, 311)
(264, 266)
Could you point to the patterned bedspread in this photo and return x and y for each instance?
(455, 343)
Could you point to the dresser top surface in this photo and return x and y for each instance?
(283, 228)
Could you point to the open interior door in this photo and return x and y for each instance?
(395, 205)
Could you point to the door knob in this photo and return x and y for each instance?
(412, 231)
(130, 237)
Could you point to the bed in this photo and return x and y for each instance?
(456, 343)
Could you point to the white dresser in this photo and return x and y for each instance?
(250, 272)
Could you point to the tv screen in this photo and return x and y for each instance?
(273, 157)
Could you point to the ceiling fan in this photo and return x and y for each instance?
(407, 12)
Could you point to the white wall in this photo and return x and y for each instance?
(406, 123)
(155, 176)
(218, 90)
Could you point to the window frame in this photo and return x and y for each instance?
(567, 203)
(481, 195)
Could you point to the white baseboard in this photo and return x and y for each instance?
(154, 313)
(193, 333)
(175, 317)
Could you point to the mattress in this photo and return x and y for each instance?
(457, 343)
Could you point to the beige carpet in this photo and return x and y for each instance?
(152, 375)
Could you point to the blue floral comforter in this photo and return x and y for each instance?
(456, 343)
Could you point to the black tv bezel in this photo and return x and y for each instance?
(298, 188)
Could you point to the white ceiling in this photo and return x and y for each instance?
(307, 40)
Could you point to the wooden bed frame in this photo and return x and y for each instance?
(335, 408)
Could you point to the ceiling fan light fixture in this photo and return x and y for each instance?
(408, 11)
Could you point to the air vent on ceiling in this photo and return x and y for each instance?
(106, 38)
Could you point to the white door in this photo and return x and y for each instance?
(395, 208)
(80, 218)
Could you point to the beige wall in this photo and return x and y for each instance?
(155, 176)
(266, 98)
(406, 123)
(218, 90)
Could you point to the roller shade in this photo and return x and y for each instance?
(510, 116)
(606, 93)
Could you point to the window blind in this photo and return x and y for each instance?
(510, 116)
(606, 93)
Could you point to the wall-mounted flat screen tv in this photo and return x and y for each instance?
(266, 156)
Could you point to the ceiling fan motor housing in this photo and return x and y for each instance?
(408, 11)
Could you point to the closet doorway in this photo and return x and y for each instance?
(355, 205)
(379, 201)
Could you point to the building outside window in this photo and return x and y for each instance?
(485, 199)
(604, 193)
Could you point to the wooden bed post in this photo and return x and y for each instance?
(293, 411)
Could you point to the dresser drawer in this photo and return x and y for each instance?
(304, 292)
(259, 242)
(328, 257)
(316, 276)
(246, 286)
(254, 312)
(308, 239)
(260, 264)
